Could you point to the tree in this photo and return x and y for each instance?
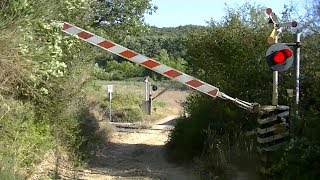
(311, 20)
(122, 17)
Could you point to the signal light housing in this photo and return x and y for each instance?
(279, 57)
(154, 88)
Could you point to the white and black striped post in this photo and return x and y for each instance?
(272, 134)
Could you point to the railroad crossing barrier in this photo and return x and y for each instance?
(272, 130)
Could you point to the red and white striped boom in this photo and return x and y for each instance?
(151, 64)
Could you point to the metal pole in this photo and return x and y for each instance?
(275, 78)
(150, 98)
(275, 88)
(150, 105)
(297, 79)
(146, 89)
(110, 97)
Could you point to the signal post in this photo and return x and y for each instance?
(273, 126)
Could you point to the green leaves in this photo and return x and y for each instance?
(44, 69)
(298, 161)
(227, 55)
(178, 64)
(120, 71)
(121, 18)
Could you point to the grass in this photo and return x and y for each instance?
(126, 100)
(23, 141)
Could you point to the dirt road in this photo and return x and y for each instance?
(135, 153)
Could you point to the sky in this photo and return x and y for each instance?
(173, 13)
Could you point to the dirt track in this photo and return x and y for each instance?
(135, 153)
(132, 152)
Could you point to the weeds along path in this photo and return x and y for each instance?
(135, 153)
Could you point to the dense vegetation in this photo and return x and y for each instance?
(43, 74)
(231, 55)
(45, 77)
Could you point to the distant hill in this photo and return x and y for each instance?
(172, 31)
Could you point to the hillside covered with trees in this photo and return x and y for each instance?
(43, 75)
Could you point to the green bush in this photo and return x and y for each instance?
(23, 139)
(87, 131)
(222, 56)
(127, 107)
(120, 71)
(101, 74)
(75, 131)
(65, 109)
(300, 160)
(188, 138)
(132, 114)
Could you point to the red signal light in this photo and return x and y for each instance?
(287, 52)
(294, 24)
(280, 56)
(269, 11)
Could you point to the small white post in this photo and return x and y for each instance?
(146, 88)
(110, 90)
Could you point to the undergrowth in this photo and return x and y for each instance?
(214, 137)
(23, 140)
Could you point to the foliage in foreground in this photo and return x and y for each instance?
(42, 74)
(23, 140)
(300, 159)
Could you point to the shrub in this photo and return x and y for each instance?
(189, 136)
(299, 160)
(121, 70)
(132, 114)
(23, 139)
(186, 140)
(127, 107)
(101, 74)
(65, 109)
(7, 170)
(118, 71)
